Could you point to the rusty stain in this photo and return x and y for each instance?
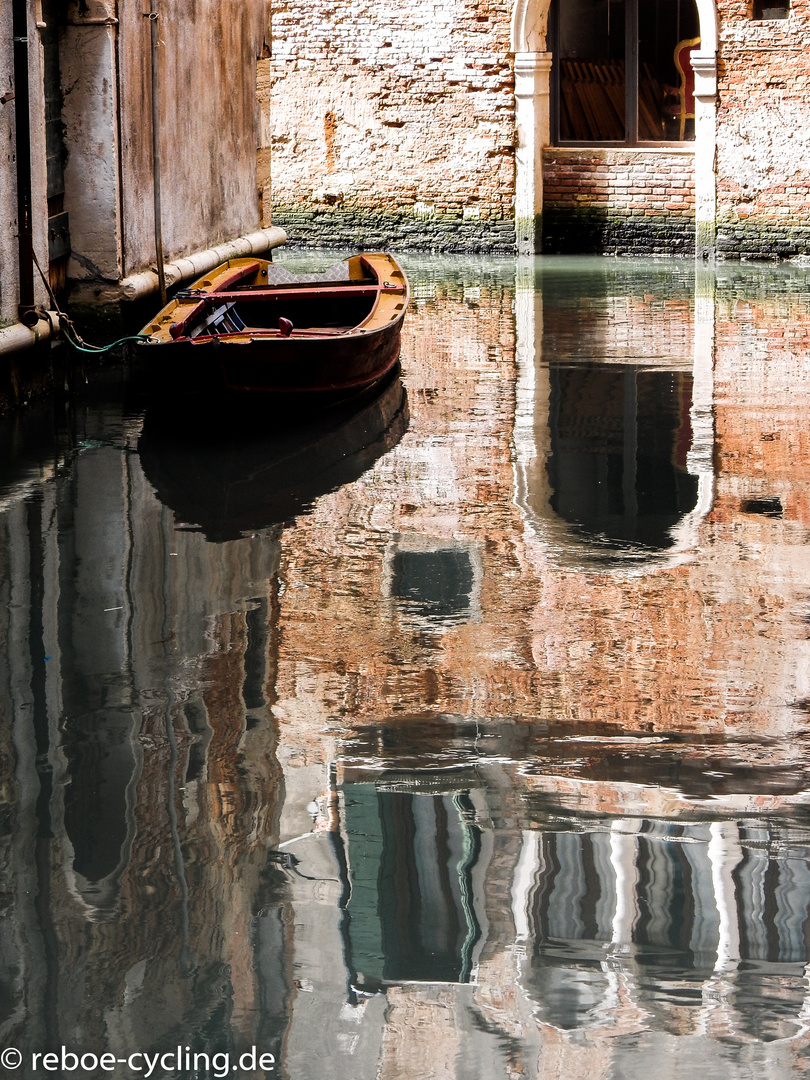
(329, 134)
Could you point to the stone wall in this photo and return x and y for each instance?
(388, 129)
(763, 138)
(619, 201)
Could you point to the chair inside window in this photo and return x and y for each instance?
(680, 101)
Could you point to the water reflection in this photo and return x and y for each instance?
(614, 426)
(466, 737)
(411, 908)
(264, 467)
(619, 443)
(676, 910)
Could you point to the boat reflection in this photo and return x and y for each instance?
(220, 478)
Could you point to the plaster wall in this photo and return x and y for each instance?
(209, 124)
(8, 195)
(90, 117)
(208, 116)
(9, 277)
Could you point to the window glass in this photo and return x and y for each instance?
(592, 70)
(623, 70)
(667, 34)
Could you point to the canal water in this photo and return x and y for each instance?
(460, 735)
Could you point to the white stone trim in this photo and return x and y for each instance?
(532, 122)
(532, 71)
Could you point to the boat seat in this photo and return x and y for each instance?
(222, 320)
(280, 275)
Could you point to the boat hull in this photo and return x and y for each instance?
(278, 366)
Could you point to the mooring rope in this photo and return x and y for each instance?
(68, 328)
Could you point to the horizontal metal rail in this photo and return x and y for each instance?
(330, 292)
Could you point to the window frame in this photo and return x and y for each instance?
(631, 84)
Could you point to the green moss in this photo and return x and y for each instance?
(361, 228)
(590, 230)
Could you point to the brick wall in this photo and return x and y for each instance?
(763, 133)
(618, 201)
(397, 129)
(388, 127)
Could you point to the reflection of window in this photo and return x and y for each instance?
(411, 910)
(97, 816)
(434, 584)
(621, 70)
(619, 442)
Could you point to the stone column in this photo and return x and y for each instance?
(88, 59)
(704, 65)
(532, 130)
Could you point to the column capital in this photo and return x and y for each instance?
(704, 66)
(529, 62)
(531, 74)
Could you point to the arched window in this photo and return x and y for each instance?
(622, 70)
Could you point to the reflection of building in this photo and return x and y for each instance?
(141, 790)
(609, 943)
(687, 916)
(640, 887)
(416, 778)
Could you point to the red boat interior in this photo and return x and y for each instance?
(325, 307)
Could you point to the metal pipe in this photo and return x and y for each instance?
(18, 337)
(143, 284)
(22, 124)
(153, 22)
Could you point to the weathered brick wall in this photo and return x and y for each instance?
(763, 132)
(618, 201)
(391, 128)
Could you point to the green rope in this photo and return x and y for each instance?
(71, 334)
(82, 346)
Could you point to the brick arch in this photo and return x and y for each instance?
(532, 122)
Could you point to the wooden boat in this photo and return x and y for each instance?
(253, 326)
